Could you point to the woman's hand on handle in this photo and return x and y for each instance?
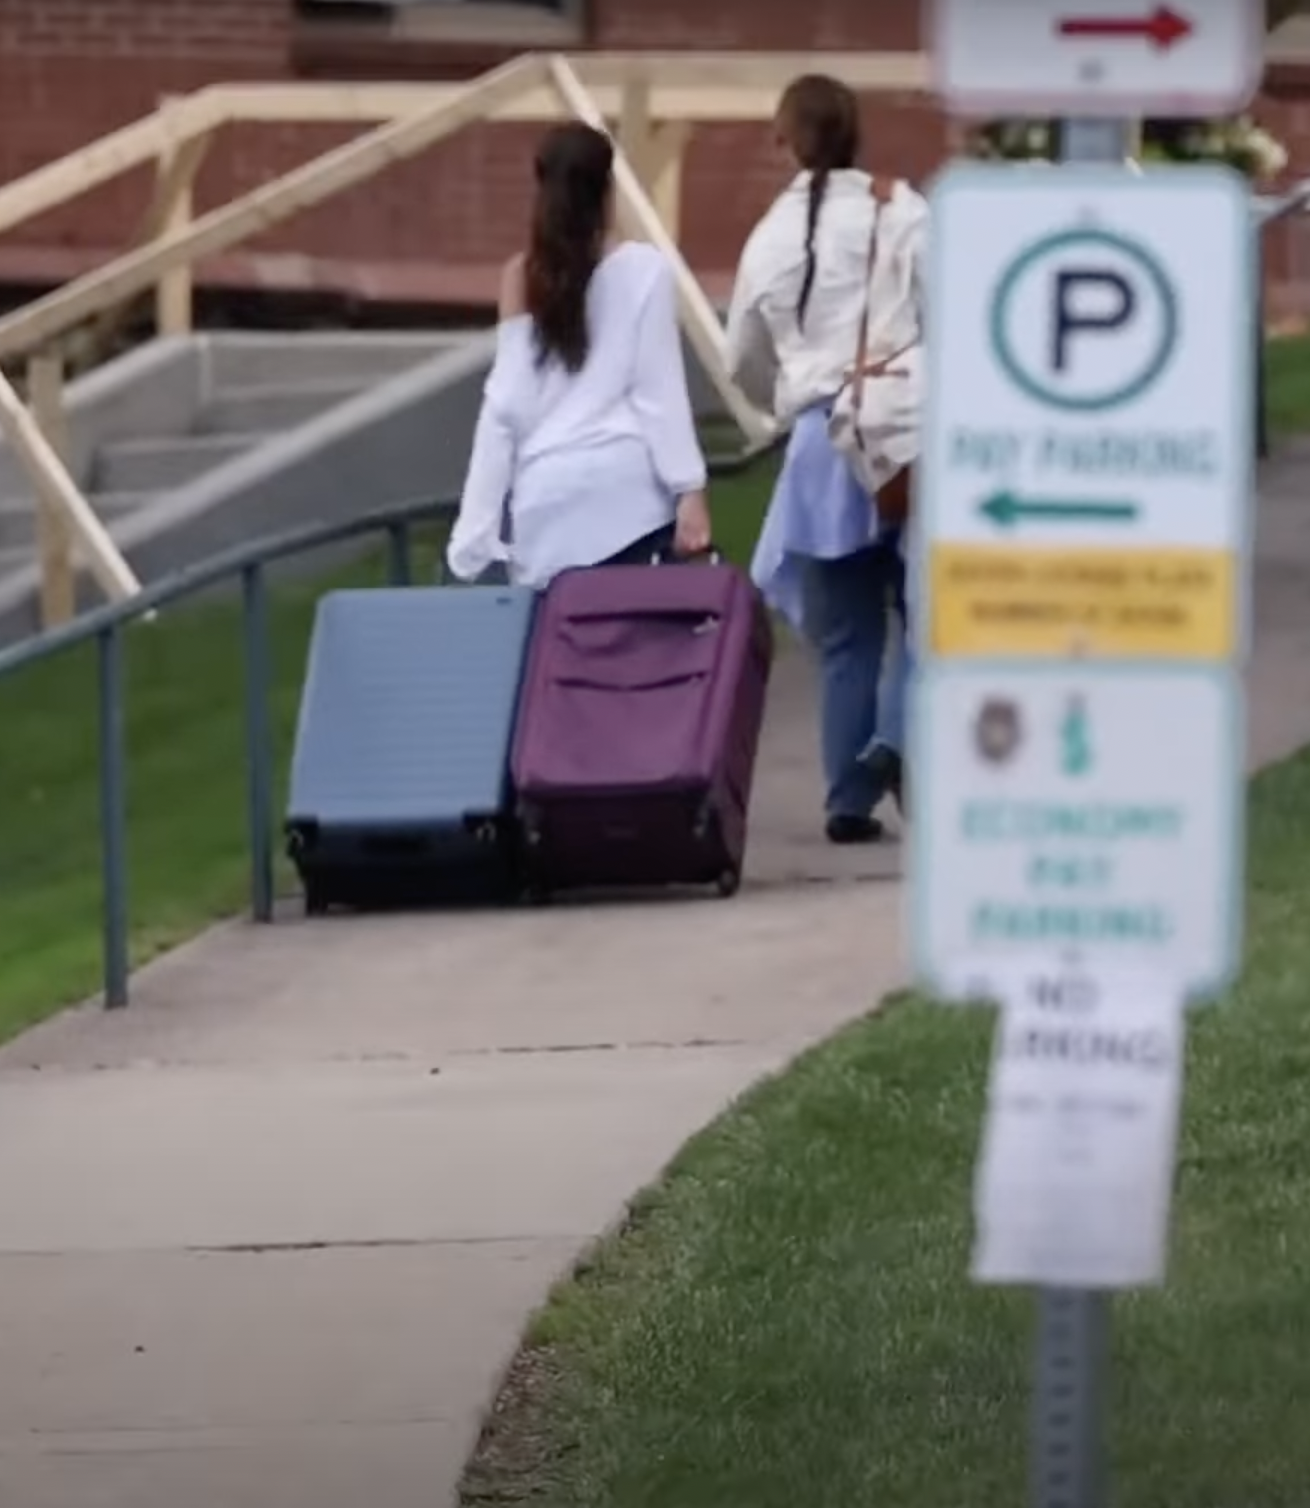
(691, 531)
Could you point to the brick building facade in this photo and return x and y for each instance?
(71, 70)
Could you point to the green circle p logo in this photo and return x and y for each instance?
(1084, 320)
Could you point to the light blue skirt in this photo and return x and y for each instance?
(818, 510)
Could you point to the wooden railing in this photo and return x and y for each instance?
(650, 100)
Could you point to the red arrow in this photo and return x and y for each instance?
(1163, 27)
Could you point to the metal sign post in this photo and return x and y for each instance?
(1094, 139)
(1067, 1459)
(1067, 1463)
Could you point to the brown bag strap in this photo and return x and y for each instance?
(881, 192)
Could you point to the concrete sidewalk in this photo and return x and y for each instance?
(270, 1236)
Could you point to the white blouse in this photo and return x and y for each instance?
(590, 461)
(782, 367)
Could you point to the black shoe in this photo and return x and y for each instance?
(888, 769)
(854, 830)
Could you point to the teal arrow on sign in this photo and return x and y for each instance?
(1008, 510)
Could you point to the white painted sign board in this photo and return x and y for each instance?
(1090, 358)
(1074, 1181)
(1097, 57)
(1086, 812)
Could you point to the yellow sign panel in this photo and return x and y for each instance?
(1004, 600)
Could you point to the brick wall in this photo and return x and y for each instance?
(1287, 246)
(71, 70)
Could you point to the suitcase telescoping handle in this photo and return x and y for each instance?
(670, 556)
(496, 574)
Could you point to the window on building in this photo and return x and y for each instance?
(513, 23)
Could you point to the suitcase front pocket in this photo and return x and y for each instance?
(623, 704)
(636, 649)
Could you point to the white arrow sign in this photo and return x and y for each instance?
(1097, 57)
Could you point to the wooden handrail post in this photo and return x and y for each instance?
(54, 538)
(668, 152)
(655, 150)
(635, 127)
(97, 550)
(172, 209)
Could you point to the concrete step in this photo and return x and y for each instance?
(111, 505)
(14, 558)
(238, 359)
(156, 465)
(18, 515)
(17, 528)
(240, 410)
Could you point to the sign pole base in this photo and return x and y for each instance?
(1068, 1454)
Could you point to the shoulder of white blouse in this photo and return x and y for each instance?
(513, 332)
(770, 248)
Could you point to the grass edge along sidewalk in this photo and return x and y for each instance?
(786, 1318)
(187, 835)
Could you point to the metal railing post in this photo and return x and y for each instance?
(259, 750)
(1267, 211)
(113, 814)
(104, 627)
(400, 559)
(1261, 398)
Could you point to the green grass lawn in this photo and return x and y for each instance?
(187, 779)
(1287, 375)
(787, 1319)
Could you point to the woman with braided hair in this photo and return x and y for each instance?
(829, 558)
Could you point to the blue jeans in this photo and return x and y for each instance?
(854, 620)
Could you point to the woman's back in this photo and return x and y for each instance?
(553, 409)
(806, 360)
(595, 457)
(812, 354)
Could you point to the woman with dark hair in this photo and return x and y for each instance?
(828, 559)
(586, 429)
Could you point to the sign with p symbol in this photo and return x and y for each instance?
(1087, 299)
(1084, 320)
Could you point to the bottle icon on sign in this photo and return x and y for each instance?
(1076, 739)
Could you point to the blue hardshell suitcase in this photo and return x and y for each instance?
(400, 789)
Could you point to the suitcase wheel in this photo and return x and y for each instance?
(728, 883)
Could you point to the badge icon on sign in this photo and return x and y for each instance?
(997, 730)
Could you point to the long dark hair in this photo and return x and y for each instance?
(819, 119)
(574, 172)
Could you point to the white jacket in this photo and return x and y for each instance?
(781, 367)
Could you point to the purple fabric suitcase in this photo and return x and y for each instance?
(639, 724)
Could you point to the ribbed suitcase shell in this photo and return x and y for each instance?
(400, 776)
(639, 726)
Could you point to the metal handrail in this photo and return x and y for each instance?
(248, 563)
(1269, 208)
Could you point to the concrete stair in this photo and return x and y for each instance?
(147, 466)
(253, 408)
(161, 420)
